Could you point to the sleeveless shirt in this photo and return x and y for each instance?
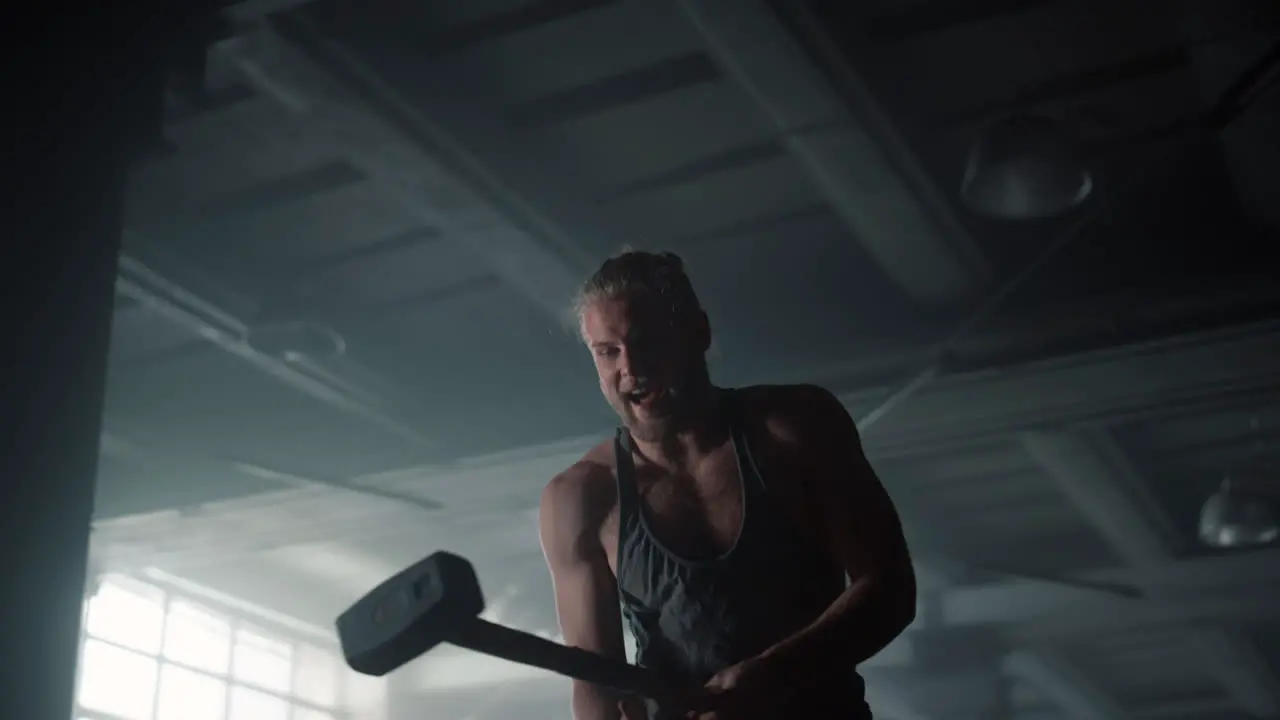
(692, 618)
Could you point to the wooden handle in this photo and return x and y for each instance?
(528, 649)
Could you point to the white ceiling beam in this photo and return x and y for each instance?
(1093, 484)
(1090, 388)
(1236, 662)
(1062, 684)
(249, 10)
(1104, 486)
(1237, 587)
(1093, 472)
(421, 182)
(959, 411)
(856, 157)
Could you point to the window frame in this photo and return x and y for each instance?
(228, 678)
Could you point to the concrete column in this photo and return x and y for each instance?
(77, 94)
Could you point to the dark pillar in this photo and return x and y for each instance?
(69, 99)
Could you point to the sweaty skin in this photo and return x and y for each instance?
(692, 500)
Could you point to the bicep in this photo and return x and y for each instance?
(587, 607)
(856, 514)
(586, 595)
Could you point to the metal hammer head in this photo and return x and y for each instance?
(410, 614)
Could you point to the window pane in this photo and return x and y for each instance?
(188, 695)
(309, 714)
(249, 704)
(263, 661)
(315, 678)
(116, 681)
(197, 638)
(127, 613)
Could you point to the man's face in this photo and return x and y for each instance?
(650, 368)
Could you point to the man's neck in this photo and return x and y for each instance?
(705, 429)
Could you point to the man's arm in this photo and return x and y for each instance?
(586, 595)
(857, 522)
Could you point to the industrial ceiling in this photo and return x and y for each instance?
(428, 181)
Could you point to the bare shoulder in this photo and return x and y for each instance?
(579, 498)
(798, 413)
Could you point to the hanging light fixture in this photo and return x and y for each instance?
(1243, 513)
(1235, 518)
(288, 327)
(296, 340)
(1024, 167)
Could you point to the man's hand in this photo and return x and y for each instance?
(754, 688)
(691, 703)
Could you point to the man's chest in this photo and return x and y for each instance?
(699, 514)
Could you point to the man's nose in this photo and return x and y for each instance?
(633, 363)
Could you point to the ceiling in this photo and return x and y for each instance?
(432, 179)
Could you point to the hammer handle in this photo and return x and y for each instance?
(525, 648)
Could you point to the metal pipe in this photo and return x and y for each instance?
(258, 471)
(1252, 84)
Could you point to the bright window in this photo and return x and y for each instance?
(190, 695)
(262, 660)
(127, 614)
(116, 681)
(249, 704)
(197, 638)
(150, 656)
(316, 676)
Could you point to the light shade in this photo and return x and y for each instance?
(1024, 167)
(296, 340)
(1233, 518)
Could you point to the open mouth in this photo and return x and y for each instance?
(644, 396)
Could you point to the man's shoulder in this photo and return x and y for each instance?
(791, 406)
(587, 485)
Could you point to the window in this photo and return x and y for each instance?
(316, 675)
(190, 695)
(261, 660)
(249, 704)
(150, 656)
(116, 681)
(128, 614)
(197, 638)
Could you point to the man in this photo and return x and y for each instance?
(740, 534)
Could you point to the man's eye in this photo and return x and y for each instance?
(606, 352)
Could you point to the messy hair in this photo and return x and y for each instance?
(656, 276)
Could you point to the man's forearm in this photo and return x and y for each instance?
(865, 618)
(592, 702)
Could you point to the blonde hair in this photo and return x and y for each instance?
(657, 276)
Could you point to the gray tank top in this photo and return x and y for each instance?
(692, 618)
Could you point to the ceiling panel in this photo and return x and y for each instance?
(1141, 666)
(771, 186)
(413, 270)
(138, 333)
(229, 409)
(784, 302)
(495, 370)
(321, 224)
(644, 139)
(449, 15)
(581, 49)
(221, 153)
(1074, 35)
(130, 484)
(1055, 549)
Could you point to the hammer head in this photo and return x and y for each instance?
(409, 614)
